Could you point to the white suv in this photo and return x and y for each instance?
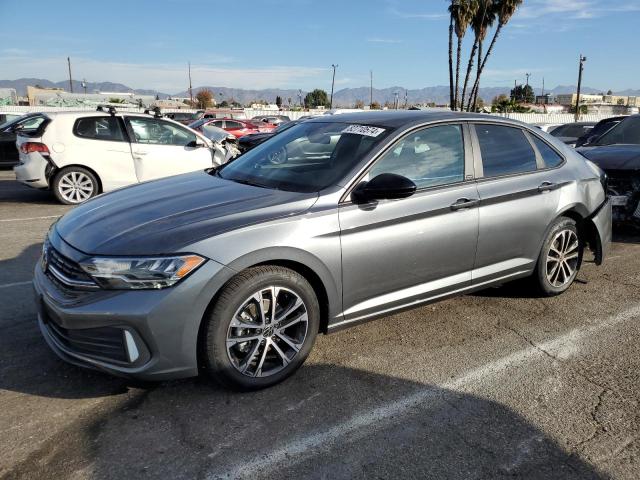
(81, 154)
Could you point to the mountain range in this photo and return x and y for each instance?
(345, 97)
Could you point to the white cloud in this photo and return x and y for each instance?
(169, 78)
(383, 40)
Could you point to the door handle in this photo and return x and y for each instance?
(463, 203)
(547, 186)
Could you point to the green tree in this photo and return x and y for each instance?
(523, 94)
(279, 101)
(462, 12)
(482, 20)
(316, 98)
(481, 24)
(224, 104)
(204, 98)
(504, 9)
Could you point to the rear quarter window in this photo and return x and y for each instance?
(99, 128)
(549, 155)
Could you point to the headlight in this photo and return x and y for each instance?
(140, 273)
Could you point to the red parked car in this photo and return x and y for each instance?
(238, 128)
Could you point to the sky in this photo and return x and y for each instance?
(293, 43)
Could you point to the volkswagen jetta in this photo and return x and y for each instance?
(233, 271)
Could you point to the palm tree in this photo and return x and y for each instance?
(482, 22)
(504, 9)
(460, 11)
(452, 7)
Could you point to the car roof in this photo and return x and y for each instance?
(401, 118)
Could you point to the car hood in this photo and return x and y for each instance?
(165, 216)
(613, 157)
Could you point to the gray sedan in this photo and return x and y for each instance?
(342, 219)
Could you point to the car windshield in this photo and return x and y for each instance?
(308, 157)
(626, 132)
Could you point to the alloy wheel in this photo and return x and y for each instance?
(267, 331)
(75, 187)
(562, 258)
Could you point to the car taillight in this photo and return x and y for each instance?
(31, 147)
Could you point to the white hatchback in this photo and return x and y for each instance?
(81, 154)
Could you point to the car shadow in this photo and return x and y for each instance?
(327, 421)
(12, 191)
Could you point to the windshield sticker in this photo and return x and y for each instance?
(363, 130)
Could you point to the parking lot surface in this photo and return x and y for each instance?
(499, 384)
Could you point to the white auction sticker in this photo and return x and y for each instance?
(363, 130)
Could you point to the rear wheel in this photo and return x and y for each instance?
(261, 328)
(560, 258)
(74, 185)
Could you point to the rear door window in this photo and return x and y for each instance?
(99, 128)
(504, 150)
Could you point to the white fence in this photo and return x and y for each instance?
(538, 118)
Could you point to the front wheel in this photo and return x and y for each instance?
(74, 185)
(261, 328)
(560, 258)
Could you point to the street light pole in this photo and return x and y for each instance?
(190, 89)
(580, 69)
(371, 88)
(70, 82)
(333, 81)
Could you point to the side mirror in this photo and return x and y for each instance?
(386, 186)
(197, 143)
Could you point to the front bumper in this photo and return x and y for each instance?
(143, 334)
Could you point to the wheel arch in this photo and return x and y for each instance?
(586, 228)
(57, 170)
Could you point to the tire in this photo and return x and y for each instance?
(74, 185)
(235, 315)
(563, 242)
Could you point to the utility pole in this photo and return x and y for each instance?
(70, 82)
(528, 75)
(543, 86)
(580, 69)
(395, 102)
(190, 89)
(371, 88)
(406, 99)
(333, 81)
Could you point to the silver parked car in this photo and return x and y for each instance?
(337, 220)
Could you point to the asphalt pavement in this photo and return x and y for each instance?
(499, 384)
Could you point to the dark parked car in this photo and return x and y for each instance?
(8, 135)
(6, 117)
(338, 220)
(248, 142)
(617, 152)
(600, 128)
(570, 132)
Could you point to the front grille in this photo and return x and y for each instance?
(102, 343)
(64, 270)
